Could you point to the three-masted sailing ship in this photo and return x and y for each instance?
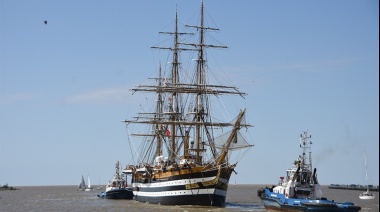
(186, 153)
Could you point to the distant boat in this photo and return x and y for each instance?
(82, 185)
(89, 188)
(99, 186)
(299, 190)
(367, 194)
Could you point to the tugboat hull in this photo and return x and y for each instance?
(275, 201)
(119, 194)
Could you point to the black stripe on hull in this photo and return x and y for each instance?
(202, 199)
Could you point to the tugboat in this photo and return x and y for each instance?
(118, 187)
(299, 190)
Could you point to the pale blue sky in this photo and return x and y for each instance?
(64, 86)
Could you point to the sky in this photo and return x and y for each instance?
(306, 66)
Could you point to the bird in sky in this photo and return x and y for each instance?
(45, 22)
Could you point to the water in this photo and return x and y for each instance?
(67, 198)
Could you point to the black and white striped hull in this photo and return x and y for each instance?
(201, 188)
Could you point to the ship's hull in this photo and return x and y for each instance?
(275, 201)
(207, 188)
(119, 193)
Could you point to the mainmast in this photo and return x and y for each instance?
(174, 108)
(200, 80)
(201, 109)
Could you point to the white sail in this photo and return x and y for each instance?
(88, 182)
(88, 188)
(82, 184)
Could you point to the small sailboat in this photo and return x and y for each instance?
(82, 185)
(367, 194)
(88, 188)
(99, 186)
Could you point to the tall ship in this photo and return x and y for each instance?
(189, 147)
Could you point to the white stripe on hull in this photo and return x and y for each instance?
(181, 192)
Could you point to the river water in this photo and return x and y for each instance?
(67, 198)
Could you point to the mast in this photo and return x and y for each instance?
(174, 108)
(366, 172)
(117, 170)
(200, 109)
(230, 139)
(306, 163)
(159, 111)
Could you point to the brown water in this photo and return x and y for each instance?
(67, 198)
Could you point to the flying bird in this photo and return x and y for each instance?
(45, 22)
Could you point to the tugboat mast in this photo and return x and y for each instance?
(306, 163)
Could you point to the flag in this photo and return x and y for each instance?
(167, 132)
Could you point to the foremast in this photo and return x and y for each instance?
(174, 113)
